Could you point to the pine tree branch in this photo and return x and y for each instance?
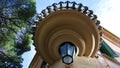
(13, 6)
(8, 18)
(5, 55)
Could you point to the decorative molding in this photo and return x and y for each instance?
(111, 37)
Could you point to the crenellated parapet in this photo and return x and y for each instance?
(67, 6)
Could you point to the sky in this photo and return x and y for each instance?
(107, 11)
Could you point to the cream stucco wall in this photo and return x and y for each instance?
(79, 62)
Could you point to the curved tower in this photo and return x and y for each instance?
(67, 29)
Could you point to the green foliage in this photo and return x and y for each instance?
(23, 46)
(26, 11)
(15, 31)
(10, 61)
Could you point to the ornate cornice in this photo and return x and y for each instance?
(111, 37)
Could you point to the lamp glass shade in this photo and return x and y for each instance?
(67, 51)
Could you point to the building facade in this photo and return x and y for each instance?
(68, 35)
